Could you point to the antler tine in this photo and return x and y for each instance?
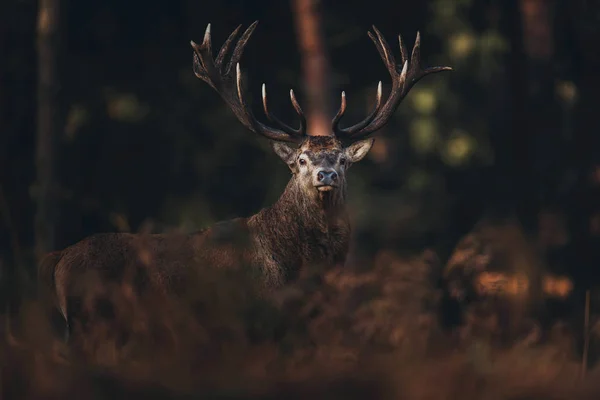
(240, 46)
(298, 111)
(416, 73)
(282, 125)
(384, 48)
(403, 51)
(336, 120)
(204, 65)
(207, 41)
(226, 46)
(226, 79)
(402, 82)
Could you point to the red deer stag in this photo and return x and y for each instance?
(308, 224)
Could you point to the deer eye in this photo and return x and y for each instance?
(302, 161)
(342, 161)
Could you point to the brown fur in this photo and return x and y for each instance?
(304, 227)
(307, 225)
(46, 275)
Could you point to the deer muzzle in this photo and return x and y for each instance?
(326, 180)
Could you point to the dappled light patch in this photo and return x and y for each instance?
(125, 107)
(459, 148)
(461, 45)
(424, 135)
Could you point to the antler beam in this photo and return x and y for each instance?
(226, 79)
(402, 82)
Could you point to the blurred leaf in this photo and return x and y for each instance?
(493, 42)
(458, 149)
(461, 45)
(492, 47)
(567, 92)
(424, 135)
(120, 222)
(423, 100)
(78, 115)
(418, 180)
(444, 9)
(125, 107)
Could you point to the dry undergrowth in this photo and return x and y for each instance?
(335, 334)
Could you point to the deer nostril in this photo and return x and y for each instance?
(334, 176)
(320, 176)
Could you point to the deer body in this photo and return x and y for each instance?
(308, 225)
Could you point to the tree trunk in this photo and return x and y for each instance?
(6, 272)
(536, 125)
(584, 210)
(315, 65)
(47, 125)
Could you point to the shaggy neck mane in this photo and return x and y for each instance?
(318, 210)
(304, 227)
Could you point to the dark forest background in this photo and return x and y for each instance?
(104, 127)
(136, 137)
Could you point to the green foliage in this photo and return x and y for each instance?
(125, 107)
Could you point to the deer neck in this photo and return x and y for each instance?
(310, 209)
(301, 228)
(299, 216)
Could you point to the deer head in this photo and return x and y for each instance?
(318, 163)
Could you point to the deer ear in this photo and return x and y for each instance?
(285, 152)
(358, 150)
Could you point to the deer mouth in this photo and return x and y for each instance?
(326, 188)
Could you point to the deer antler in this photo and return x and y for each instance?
(226, 79)
(402, 82)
